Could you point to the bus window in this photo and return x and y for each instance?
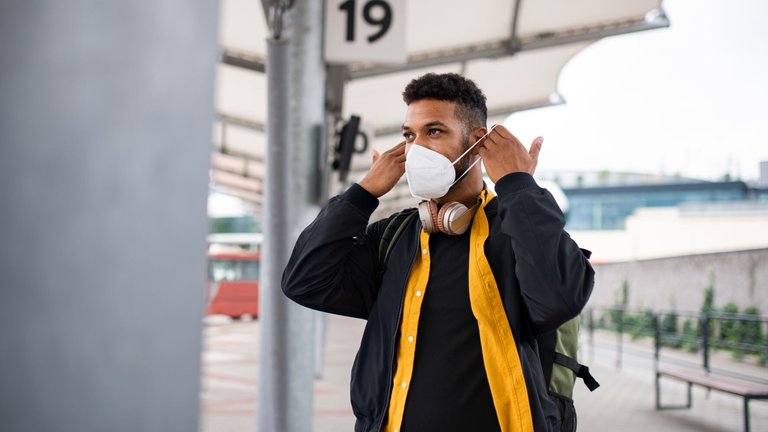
(220, 270)
(250, 270)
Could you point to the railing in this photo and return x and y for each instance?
(697, 332)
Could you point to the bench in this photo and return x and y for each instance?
(745, 389)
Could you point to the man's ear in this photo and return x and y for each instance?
(476, 134)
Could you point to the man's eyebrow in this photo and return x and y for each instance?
(436, 123)
(430, 124)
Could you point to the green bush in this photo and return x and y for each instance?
(739, 336)
(729, 328)
(669, 330)
(750, 332)
(690, 335)
(669, 323)
(602, 322)
(617, 315)
(639, 325)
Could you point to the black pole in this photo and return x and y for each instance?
(704, 323)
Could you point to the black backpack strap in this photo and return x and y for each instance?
(580, 370)
(392, 232)
(546, 345)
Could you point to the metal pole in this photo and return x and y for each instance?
(619, 337)
(591, 335)
(295, 72)
(274, 372)
(704, 323)
(656, 339)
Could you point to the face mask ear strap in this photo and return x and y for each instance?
(473, 146)
(467, 170)
(467, 151)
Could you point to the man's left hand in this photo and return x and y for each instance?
(503, 154)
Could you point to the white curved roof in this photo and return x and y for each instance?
(514, 50)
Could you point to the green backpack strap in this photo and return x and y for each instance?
(579, 369)
(565, 367)
(392, 232)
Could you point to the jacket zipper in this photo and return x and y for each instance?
(394, 339)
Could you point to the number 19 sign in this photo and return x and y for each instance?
(365, 30)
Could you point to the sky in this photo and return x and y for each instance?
(687, 100)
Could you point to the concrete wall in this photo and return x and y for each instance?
(679, 282)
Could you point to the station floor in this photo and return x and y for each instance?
(624, 402)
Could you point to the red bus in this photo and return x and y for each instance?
(233, 283)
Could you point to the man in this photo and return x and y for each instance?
(450, 342)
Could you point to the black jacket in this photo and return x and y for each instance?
(543, 276)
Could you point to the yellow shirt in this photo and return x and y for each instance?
(500, 357)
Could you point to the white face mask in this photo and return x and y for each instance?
(430, 175)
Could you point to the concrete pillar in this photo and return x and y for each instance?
(105, 127)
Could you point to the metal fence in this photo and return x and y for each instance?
(741, 334)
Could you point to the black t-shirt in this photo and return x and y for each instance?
(449, 388)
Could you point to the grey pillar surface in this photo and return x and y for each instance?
(105, 125)
(295, 81)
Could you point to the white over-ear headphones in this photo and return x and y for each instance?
(452, 218)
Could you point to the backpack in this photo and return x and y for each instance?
(557, 348)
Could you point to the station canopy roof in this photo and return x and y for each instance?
(514, 50)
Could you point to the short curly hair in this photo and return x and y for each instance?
(470, 100)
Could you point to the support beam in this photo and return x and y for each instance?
(242, 60)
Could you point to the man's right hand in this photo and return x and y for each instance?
(386, 170)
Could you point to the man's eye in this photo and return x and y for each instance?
(434, 131)
(408, 135)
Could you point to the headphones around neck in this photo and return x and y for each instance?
(452, 218)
